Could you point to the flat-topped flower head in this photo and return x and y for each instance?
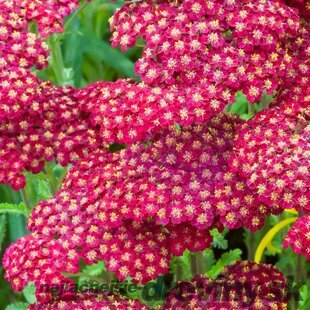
(52, 127)
(241, 285)
(298, 237)
(48, 15)
(222, 45)
(272, 153)
(38, 260)
(179, 176)
(87, 300)
(128, 112)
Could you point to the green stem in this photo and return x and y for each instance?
(297, 280)
(25, 199)
(179, 274)
(57, 59)
(264, 103)
(197, 263)
(70, 19)
(251, 110)
(251, 246)
(55, 48)
(110, 277)
(298, 270)
(48, 169)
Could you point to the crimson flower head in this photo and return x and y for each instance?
(52, 127)
(298, 237)
(86, 300)
(48, 15)
(128, 112)
(223, 46)
(241, 285)
(39, 260)
(136, 208)
(272, 153)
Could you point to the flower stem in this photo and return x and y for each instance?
(251, 110)
(297, 279)
(251, 247)
(25, 199)
(264, 102)
(71, 18)
(57, 59)
(179, 274)
(110, 277)
(197, 263)
(48, 169)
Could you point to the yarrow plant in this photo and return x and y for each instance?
(158, 166)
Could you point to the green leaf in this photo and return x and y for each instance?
(43, 190)
(29, 293)
(17, 306)
(240, 105)
(17, 227)
(73, 56)
(3, 227)
(304, 303)
(184, 263)
(95, 269)
(14, 209)
(208, 257)
(219, 240)
(177, 127)
(101, 50)
(226, 259)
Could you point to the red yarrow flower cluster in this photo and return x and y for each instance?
(302, 5)
(20, 50)
(241, 285)
(219, 45)
(48, 15)
(53, 127)
(41, 261)
(128, 112)
(137, 207)
(298, 237)
(294, 87)
(179, 176)
(81, 301)
(272, 153)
